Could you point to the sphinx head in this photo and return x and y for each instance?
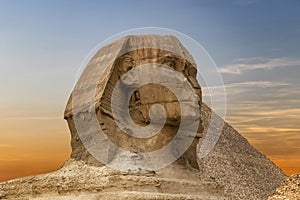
(145, 102)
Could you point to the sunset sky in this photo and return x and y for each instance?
(255, 44)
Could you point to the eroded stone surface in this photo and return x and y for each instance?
(232, 170)
(116, 61)
(77, 180)
(289, 189)
(244, 171)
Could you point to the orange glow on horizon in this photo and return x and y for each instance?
(36, 146)
(31, 146)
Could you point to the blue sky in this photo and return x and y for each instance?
(255, 43)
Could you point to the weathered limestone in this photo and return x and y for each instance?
(141, 100)
(232, 170)
(289, 189)
(244, 171)
(76, 180)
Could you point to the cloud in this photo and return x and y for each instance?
(262, 113)
(241, 65)
(257, 109)
(268, 126)
(262, 84)
(271, 130)
(237, 88)
(273, 140)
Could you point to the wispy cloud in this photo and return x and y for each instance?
(270, 130)
(237, 88)
(284, 112)
(263, 113)
(241, 65)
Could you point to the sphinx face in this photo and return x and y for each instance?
(155, 92)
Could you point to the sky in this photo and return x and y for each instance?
(254, 43)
